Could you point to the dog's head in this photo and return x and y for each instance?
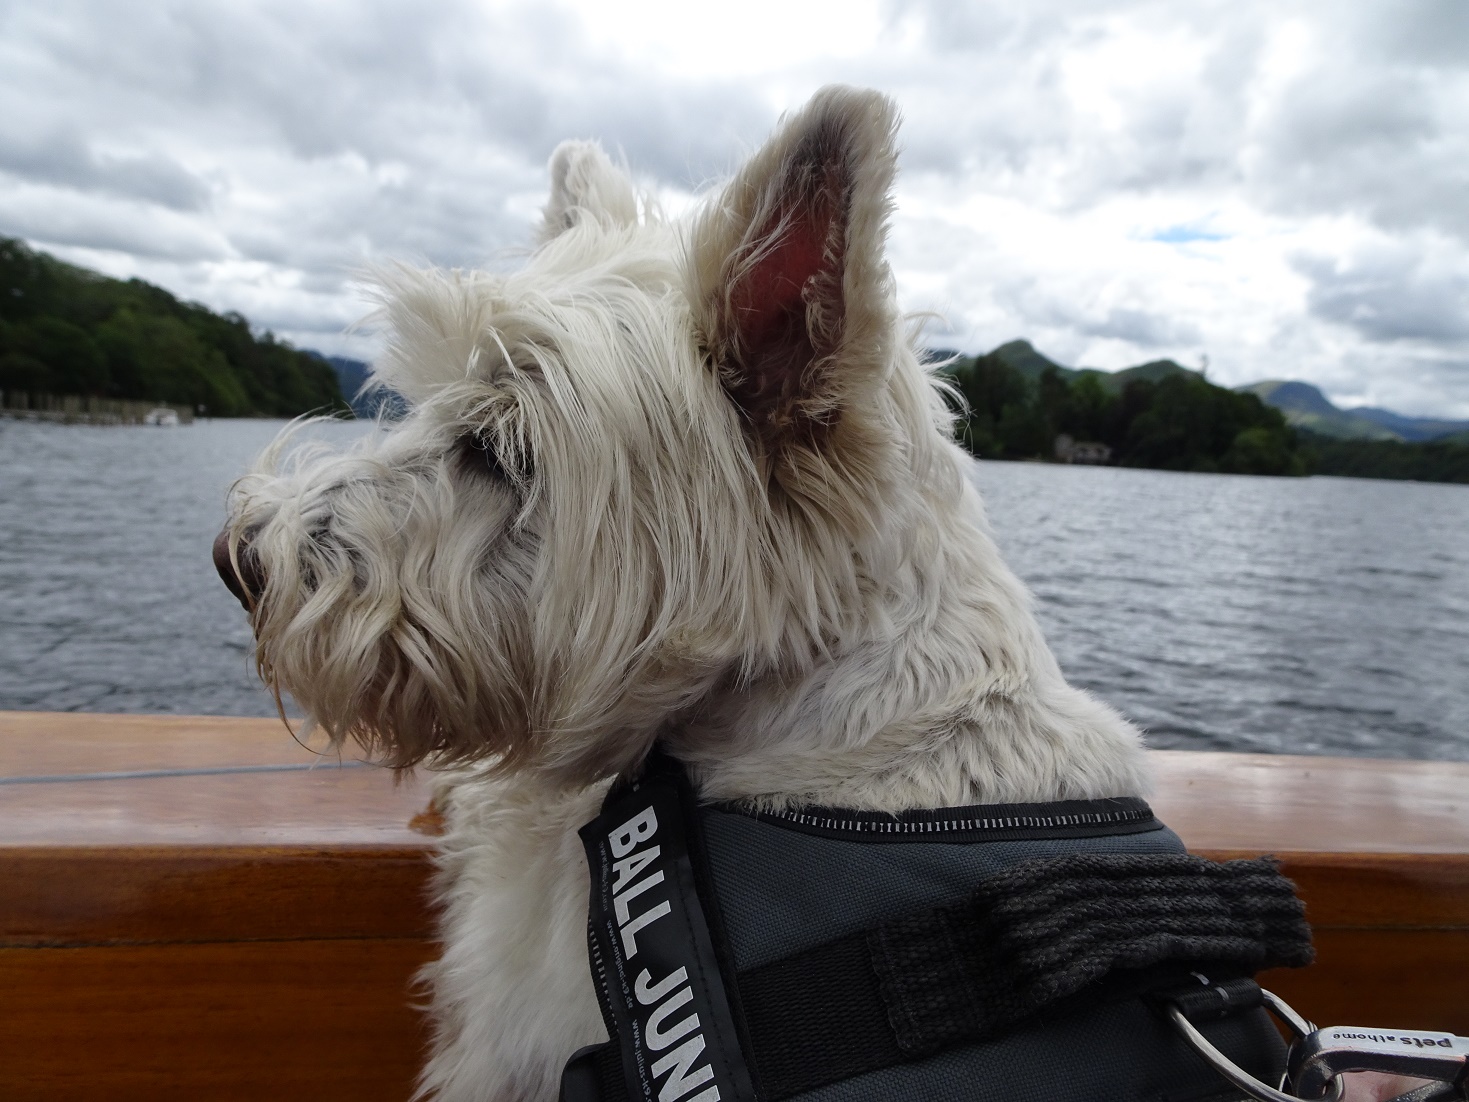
(660, 458)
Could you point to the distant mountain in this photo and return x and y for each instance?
(1153, 371)
(353, 376)
(1022, 356)
(1413, 429)
(1306, 407)
(1299, 398)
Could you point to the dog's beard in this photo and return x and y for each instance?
(394, 603)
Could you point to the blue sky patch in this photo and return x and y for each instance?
(1181, 235)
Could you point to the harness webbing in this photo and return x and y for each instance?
(1044, 935)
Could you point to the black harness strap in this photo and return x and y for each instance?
(655, 945)
(818, 1017)
(1044, 936)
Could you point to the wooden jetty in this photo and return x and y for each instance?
(188, 912)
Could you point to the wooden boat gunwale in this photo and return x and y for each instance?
(214, 927)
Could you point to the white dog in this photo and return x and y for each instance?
(676, 481)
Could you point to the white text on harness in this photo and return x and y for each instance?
(666, 996)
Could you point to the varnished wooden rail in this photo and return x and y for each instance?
(186, 912)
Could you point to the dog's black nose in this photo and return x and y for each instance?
(248, 583)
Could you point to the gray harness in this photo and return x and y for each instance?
(1007, 953)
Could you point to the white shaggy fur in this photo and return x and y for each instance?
(681, 481)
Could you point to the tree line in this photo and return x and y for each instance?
(1430, 461)
(1163, 416)
(67, 330)
(1177, 421)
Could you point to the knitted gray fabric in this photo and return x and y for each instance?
(1042, 930)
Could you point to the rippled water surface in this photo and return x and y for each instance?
(1303, 616)
(1308, 616)
(108, 599)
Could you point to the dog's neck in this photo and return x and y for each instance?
(954, 699)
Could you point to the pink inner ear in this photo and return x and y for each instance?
(786, 308)
(770, 291)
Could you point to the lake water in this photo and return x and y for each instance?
(1291, 615)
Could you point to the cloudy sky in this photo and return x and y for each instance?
(1280, 187)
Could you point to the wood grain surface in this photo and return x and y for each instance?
(1399, 977)
(293, 1021)
(190, 781)
(243, 919)
(55, 896)
(47, 743)
(1275, 802)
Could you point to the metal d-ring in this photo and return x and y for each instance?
(1287, 1014)
(1236, 1074)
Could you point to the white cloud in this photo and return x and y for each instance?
(1278, 185)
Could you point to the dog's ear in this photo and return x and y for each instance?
(585, 184)
(790, 289)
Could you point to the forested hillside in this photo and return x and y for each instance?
(1156, 415)
(65, 330)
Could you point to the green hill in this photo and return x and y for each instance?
(1022, 357)
(1154, 371)
(1019, 404)
(65, 330)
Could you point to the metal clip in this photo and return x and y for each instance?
(1321, 1057)
(1237, 1075)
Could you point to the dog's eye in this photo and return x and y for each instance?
(482, 457)
(479, 456)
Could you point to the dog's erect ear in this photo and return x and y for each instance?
(584, 183)
(790, 290)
